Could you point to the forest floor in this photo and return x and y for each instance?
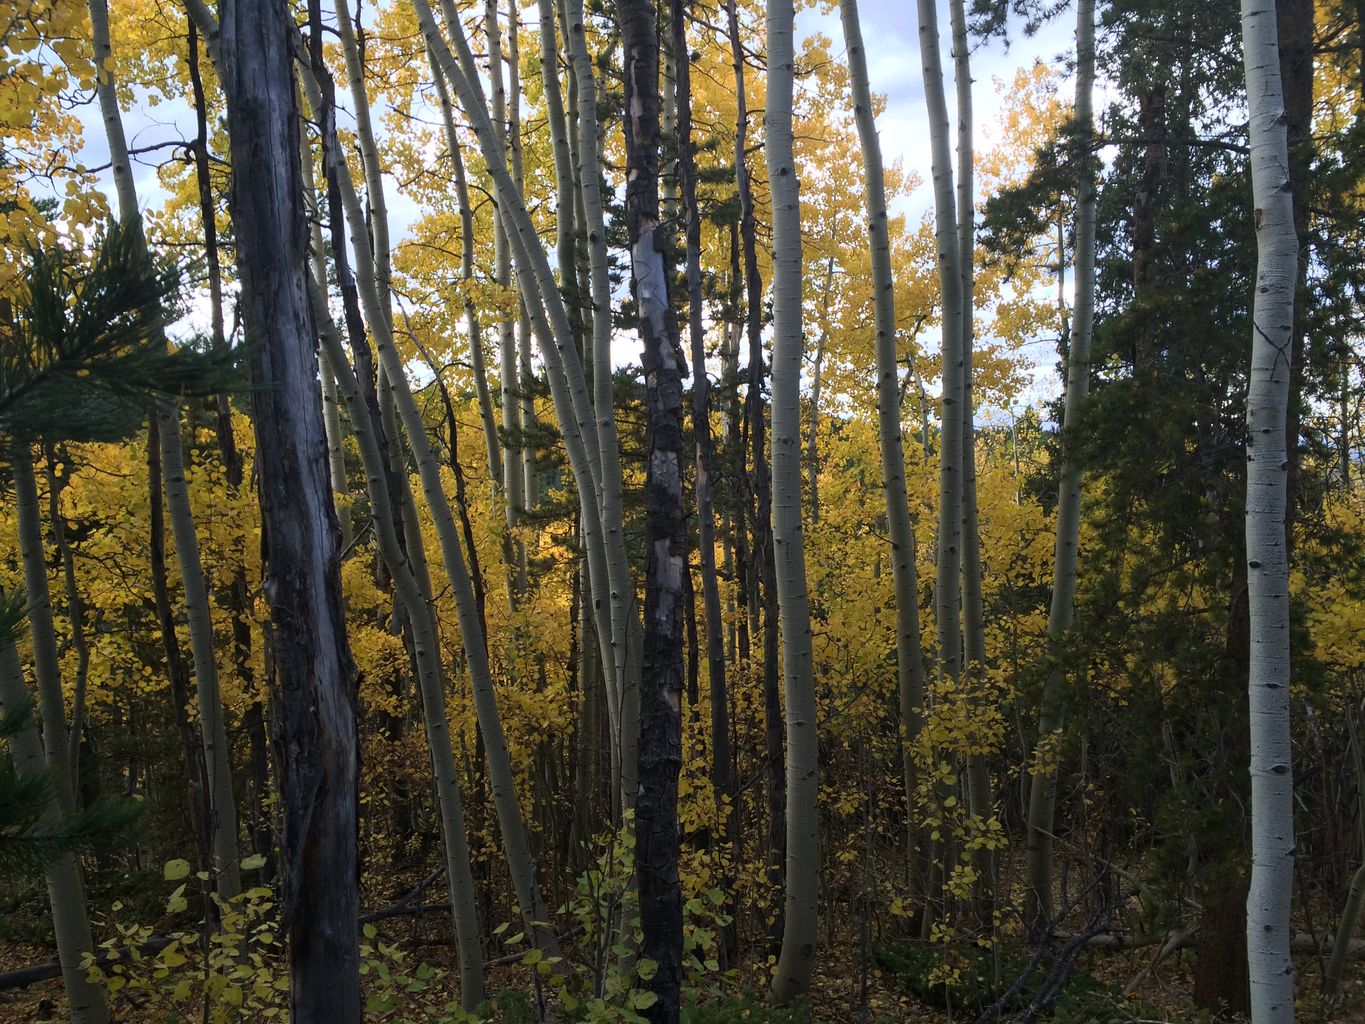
(839, 993)
(898, 983)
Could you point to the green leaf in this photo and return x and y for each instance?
(254, 863)
(176, 870)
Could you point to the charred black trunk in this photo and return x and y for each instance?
(315, 699)
(661, 684)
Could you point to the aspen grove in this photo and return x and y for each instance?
(592, 511)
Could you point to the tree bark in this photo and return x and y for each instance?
(177, 674)
(1272, 778)
(947, 595)
(797, 956)
(412, 596)
(65, 891)
(762, 592)
(900, 530)
(980, 801)
(723, 782)
(198, 613)
(619, 588)
(316, 729)
(657, 841)
(512, 439)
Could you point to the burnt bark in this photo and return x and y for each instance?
(315, 718)
(660, 751)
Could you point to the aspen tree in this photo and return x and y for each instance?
(565, 199)
(973, 615)
(947, 597)
(1272, 776)
(763, 589)
(472, 327)
(512, 478)
(900, 530)
(65, 887)
(526, 406)
(177, 673)
(813, 430)
(619, 589)
(609, 570)
(1042, 783)
(369, 154)
(331, 407)
(222, 804)
(723, 781)
(797, 956)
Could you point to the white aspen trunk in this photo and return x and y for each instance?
(797, 956)
(65, 888)
(566, 200)
(472, 327)
(512, 478)
(198, 614)
(901, 531)
(526, 407)
(1042, 785)
(212, 728)
(590, 179)
(408, 588)
(947, 596)
(973, 616)
(1272, 775)
(336, 455)
(514, 96)
(369, 153)
(526, 415)
(613, 591)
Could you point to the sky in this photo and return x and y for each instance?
(891, 37)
